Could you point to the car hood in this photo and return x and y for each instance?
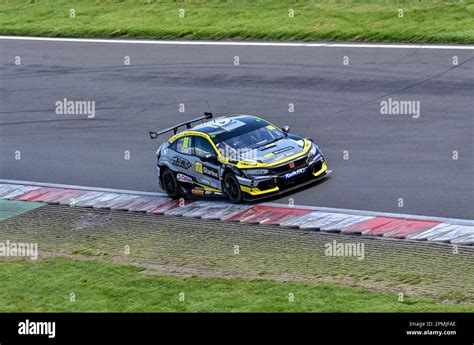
(274, 152)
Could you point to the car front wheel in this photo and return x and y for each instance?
(232, 188)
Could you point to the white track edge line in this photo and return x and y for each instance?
(454, 221)
(236, 43)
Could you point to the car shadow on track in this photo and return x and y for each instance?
(274, 198)
(271, 198)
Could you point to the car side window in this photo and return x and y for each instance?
(173, 145)
(184, 145)
(202, 147)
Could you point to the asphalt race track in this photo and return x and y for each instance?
(377, 159)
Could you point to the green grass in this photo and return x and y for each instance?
(103, 286)
(350, 20)
(10, 208)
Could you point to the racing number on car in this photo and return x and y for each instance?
(198, 167)
(226, 124)
(185, 143)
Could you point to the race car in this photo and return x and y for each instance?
(241, 157)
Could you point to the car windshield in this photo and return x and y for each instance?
(244, 143)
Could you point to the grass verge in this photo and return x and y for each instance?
(47, 285)
(350, 20)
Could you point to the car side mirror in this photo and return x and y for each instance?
(286, 129)
(209, 158)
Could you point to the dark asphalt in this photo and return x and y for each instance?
(389, 156)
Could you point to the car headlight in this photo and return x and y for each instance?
(313, 150)
(255, 172)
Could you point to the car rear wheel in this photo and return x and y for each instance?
(232, 188)
(170, 184)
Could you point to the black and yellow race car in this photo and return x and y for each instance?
(239, 156)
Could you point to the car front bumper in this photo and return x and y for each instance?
(270, 185)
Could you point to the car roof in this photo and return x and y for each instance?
(209, 128)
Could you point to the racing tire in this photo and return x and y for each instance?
(170, 184)
(232, 188)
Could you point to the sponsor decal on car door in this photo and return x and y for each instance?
(207, 174)
(206, 171)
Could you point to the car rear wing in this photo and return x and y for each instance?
(154, 135)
